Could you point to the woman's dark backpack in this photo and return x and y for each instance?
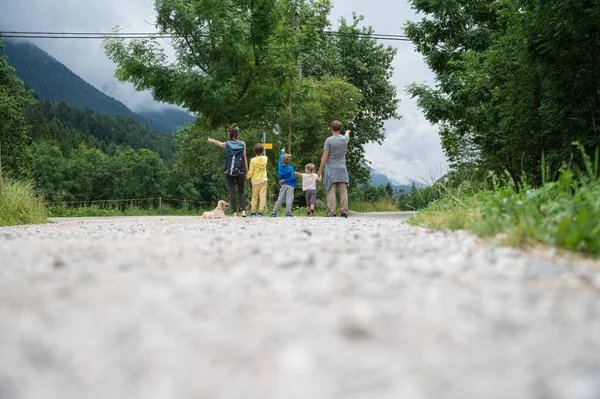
(234, 158)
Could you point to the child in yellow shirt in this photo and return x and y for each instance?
(258, 176)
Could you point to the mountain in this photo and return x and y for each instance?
(378, 179)
(53, 81)
(168, 119)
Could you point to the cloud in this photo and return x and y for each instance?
(412, 146)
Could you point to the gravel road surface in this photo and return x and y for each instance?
(366, 307)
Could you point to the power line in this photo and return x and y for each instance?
(80, 37)
(157, 33)
(149, 35)
(81, 33)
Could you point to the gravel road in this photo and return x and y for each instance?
(286, 308)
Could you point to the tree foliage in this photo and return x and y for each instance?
(14, 138)
(266, 65)
(72, 127)
(86, 174)
(516, 81)
(367, 65)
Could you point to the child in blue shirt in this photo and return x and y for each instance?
(287, 179)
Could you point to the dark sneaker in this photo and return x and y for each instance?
(332, 216)
(344, 215)
(289, 215)
(253, 214)
(260, 214)
(274, 215)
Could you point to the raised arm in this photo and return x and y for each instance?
(347, 134)
(298, 174)
(216, 142)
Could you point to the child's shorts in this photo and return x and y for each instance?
(311, 197)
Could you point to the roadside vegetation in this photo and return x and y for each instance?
(563, 212)
(20, 204)
(152, 208)
(514, 88)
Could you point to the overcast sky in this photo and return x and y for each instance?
(411, 149)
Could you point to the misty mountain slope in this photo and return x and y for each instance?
(53, 81)
(378, 179)
(168, 120)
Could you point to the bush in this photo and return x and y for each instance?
(20, 204)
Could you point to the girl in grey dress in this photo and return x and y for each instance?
(336, 174)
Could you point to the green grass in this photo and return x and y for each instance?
(420, 198)
(99, 211)
(20, 204)
(563, 213)
(385, 205)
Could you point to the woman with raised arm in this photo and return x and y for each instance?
(235, 167)
(336, 174)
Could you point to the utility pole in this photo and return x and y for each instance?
(290, 122)
(296, 23)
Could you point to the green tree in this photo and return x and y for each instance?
(89, 175)
(199, 162)
(49, 170)
(266, 64)
(389, 190)
(234, 57)
(322, 101)
(516, 81)
(14, 137)
(367, 65)
(150, 173)
(138, 174)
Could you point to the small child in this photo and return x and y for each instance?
(309, 186)
(258, 176)
(287, 179)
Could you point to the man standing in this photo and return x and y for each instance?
(336, 174)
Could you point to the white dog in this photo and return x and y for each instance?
(219, 211)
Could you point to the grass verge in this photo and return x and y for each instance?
(564, 213)
(20, 204)
(99, 211)
(385, 205)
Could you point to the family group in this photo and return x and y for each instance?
(333, 162)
